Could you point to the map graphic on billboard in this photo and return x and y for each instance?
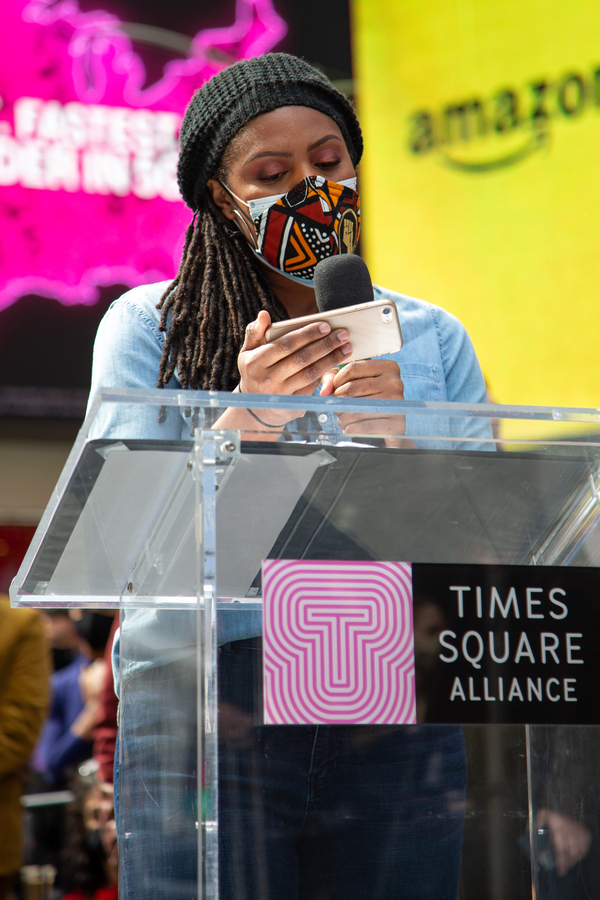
(88, 150)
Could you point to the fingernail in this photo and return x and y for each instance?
(342, 336)
(324, 328)
(346, 349)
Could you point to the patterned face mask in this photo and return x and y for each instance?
(316, 219)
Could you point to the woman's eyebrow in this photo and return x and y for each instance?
(286, 153)
(323, 140)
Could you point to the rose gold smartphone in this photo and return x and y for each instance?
(374, 327)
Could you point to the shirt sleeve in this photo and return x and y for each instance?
(58, 747)
(464, 381)
(127, 353)
(68, 750)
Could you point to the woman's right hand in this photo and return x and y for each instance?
(294, 363)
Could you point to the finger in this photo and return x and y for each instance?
(317, 335)
(387, 425)
(309, 390)
(560, 858)
(385, 370)
(368, 387)
(296, 373)
(358, 368)
(363, 426)
(559, 848)
(327, 383)
(256, 331)
(295, 351)
(303, 368)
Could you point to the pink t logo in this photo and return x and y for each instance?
(338, 642)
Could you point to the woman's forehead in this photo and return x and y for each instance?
(290, 128)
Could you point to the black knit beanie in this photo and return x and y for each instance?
(239, 93)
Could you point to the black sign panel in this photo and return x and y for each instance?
(507, 644)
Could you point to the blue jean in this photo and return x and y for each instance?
(306, 812)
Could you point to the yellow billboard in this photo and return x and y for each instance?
(481, 179)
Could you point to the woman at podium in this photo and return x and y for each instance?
(311, 812)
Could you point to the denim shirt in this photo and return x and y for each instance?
(437, 362)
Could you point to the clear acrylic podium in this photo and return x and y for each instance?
(164, 515)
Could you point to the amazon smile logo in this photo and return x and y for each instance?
(520, 120)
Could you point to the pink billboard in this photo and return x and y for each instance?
(88, 150)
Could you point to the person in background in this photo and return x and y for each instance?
(62, 638)
(89, 855)
(67, 736)
(105, 732)
(24, 675)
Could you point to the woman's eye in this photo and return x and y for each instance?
(269, 179)
(328, 163)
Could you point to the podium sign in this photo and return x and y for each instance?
(339, 644)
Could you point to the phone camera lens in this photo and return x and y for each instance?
(386, 315)
(386, 311)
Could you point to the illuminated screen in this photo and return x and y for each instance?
(92, 93)
(88, 152)
(481, 184)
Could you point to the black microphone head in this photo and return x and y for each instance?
(342, 280)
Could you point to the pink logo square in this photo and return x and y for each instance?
(338, 642)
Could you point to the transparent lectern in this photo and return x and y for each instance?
(492, 513)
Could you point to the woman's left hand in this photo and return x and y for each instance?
(374, 379)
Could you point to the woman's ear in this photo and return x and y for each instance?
(221, 198)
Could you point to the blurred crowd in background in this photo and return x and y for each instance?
(58, 725)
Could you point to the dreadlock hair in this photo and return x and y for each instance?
(218, 290)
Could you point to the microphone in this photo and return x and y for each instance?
(340, 281)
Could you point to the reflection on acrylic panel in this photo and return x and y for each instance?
(88, 194)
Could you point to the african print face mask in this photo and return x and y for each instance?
(316, 219)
